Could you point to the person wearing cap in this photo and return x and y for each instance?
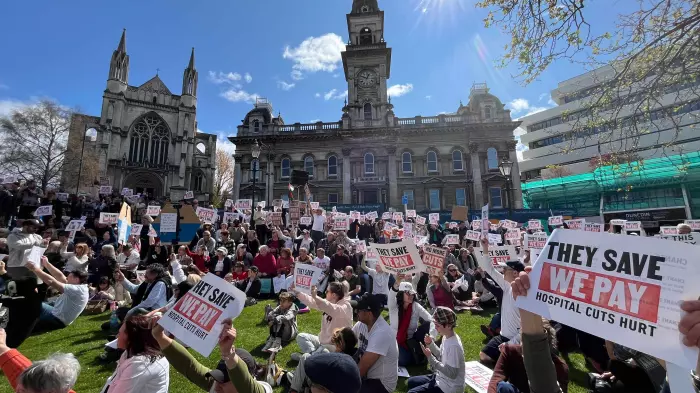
(339, 260)
(378, 352)
(19, 243)
(221, 263)
(510, 317)
(404, 315)
(234, 372)
(447, 360)
(332, 372)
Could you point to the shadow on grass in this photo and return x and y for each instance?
(91, 336)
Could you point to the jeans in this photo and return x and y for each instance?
(308, 343)
(506, 387)
(364, 284)
(406, 355)
(422, 384)
(47, 321)
(372, 386)
(317, 236)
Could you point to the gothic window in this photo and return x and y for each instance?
(457, 163)
(406, 162)
(286, 166)
(201, 149)
(365, 36)
(432, 162)
(199, 183)
(368, 111)
(149, 141)
(309, 165)
(369, 164)
(332, 166)
(492, 158)
(256, 126)
(155, 100)
(487, 112)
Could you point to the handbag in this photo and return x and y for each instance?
(95, 307)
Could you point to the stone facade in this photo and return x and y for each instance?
(371, 156)
(147, 137)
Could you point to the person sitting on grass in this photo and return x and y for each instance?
(104, 291)
(239, 274)
(233, 374)
(251, 285)
(404, 317)
(282, 321)
(447, 361)
(69, 305)
(337, 314)
(331, 372)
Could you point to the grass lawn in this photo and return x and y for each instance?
(85, 339)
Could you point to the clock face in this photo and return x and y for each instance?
(367, 78)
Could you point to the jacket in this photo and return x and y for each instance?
(418, 312)
(267, 264)
(12, 364)
(139, 374)
(254, 289)
(335, 316)
(511, 367)
(288, 319)
(211, 265)
(18, 242)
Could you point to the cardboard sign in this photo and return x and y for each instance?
(694, 224)
(306, 276)
(473, 235)
(386, 216)
(485, 224)
(341, 224)
(434, 218)
(576, 224)
(109, 218)
(494, 238)
(306, 220)
(477, 376)
(205, 215)
(593, 227)
(499, 255)
(434, 259)
(314, 205)
(276, 218)
(33, 256)
(410, 214)
(153, 211)
(244, 204)
(535, 241)
(196, 318)
(75, 225)
(669, 230)
(168, 223)
(452, 239)
(633, 226)
(371, 216)
(62, 196)
(189, 195)
(459, 213)
(105, 190)
(399, 258)
(555, 221)
(44, 211)
(690, 238)
(136, 229)
(513, 234)
(534, 224)
(127, 192)
(420, 220)
(361, 246)
(509, 224)
(618, 222)
(397, 216)
(625, 289)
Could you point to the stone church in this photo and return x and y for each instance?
(370, 156)
(147, 137)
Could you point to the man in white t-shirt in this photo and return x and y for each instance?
(68, 306)
(378, 352)
(322, 262)
(380, 281)
(318, 226)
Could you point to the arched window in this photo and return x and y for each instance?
(487, 112)
(432, 161)
(149, 141)
(309, 165)
(457, 163)
(492, 158)
(365, 36)
(201, 149)
(286, 166)
(256, 126)
(368, 111)
(255, 169)
(369, 164)
(199, 182)
(406, 162)
(332, 166)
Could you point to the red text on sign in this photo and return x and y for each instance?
(198, 311)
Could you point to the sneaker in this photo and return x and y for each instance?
(276, 345)
(296, 356)
(303, 310)
(268, 344)
(487, 331)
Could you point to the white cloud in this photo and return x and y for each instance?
(314, 121)
(223, 143)
(317, 95)
(223, 77)
(237, 95)
(521, 107)
(9, 105)
(519, 148)
(428, 98)
(542, 96)
(335, 95)
(315, 54)
(336, 75)
(399, 90)
(285, 86)
(248, 77)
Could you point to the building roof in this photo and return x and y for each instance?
(358, 4)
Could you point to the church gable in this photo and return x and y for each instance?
(155, 85)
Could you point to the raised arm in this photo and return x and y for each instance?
(487, 266)
(57, 274)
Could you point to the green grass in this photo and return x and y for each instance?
(85, 339)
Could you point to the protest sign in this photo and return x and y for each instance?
(75, 225)
(690, 238)
(459, 213)
(168, 223)
(371, 216)
(476, 225)
(694, 224)
(509, 224)
(408, 229)
(593, 227)
(151, 232)
(105, 190)
(419, 240)
(576, 224)
(617, 222)
(535, 241)
(229, 217)
(306, 276)
(451, 239)
(244, 204)
(410, 213)
(513, 234)
(62, 196)
(397, 216)
(355, 215)
(555, 221)
(189, 195)
(485, 224)
(228, 203)
(473, 235)
(402, 372)
(361, 246)
(494, 238)
(341, 224)
(109, 218)
(477, 376)
(33, 256)
(44, 211)
(306, 220)
(276, 218)
(420, 220)
(499, 255)
(534, 224)
(205, 215)
(434, 259)
(633, 226)
(625, 289)
(123, 221)
(669, 230)
(136, 229)
(314, 205)
(434, 218)
(399, 258)
(453, 225)
(371, 254)
(127, 192)
(386, 216)
(153, 211)
(196, 318)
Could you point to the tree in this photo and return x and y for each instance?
(650, 56)
(34, 142)
(223, 178)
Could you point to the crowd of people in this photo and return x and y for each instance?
(357, 349)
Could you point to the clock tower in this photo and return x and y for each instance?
(367, 65)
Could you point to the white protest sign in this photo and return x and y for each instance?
(397, 216)
(306, 276)
(420, 220)
(205, 215)
(105, 190)
(477, 376)
(402, 372)
(371, 255)
(127, 192)
(75, 225)
(341, 224)
(196, 318)
(617, 222)
(276, 218)
(690, 238)
(399, 258)
(633, 226)
(153, 211)
(509, 224)
(34, 255)
(371, 216)
(694, 224)
(228, 203)
(451, 239)
(43, 211)
(576, 224)
(434, 218)
(669, 230)
(555, 221)
(189, 195)
(136, 229)
(386, 216)
(485, 224)
(473, 235)
(512, 234)
(408, 230)
(535, 241)
(499, 255)
(62, 196)
(534, 224)
(355, 215)
(314, 205)
(476, 225)
(168, 223)
(109, 218)
(419, 241)
(626, 289)
(494, 238)
(593, 227)
(262, 204)
(410, 213)
(244, 204)
(152, 232)
(361, 246)
(230, 216)
(305, 220)
(434, 259)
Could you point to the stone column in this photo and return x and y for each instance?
(270, 178)
(515, 175)
(237, 173)
(347, 193)
(394, 199)
(476, 176)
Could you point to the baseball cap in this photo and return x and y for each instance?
(369, 302)
(220, 373)
(445, 316)
(516, 265)
(222, 249)
(336, 372)
(407, 287)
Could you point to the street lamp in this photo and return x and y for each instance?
(255, 151)
(92, 134)
(506, 167)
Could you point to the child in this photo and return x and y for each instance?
(104, 291)
(283, 323)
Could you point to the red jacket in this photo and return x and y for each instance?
(12, 364)
(199, 260)
(266, 264)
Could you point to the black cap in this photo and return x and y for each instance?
(254, 269)
(337, 372)
(220, 373)
(31, 221)
(516, 265)
(369, 302)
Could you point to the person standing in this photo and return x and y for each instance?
(260, 227)
(30, 199)
(318, 226)
(19, 243)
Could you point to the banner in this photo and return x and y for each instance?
(451, 239)
(555, 221)
(205, 215)
(434, 259)
(398, 258)
(669, 230)
(196, 318)
(499, 255)
(625, 289)
(473, 235)
(105, 190)
(535, 241)
(694, 224)
(306, 276)
(410, 213)
(477, 376)
(244, 204)
(189, 195)
(44, 211)
(434, 218)
(153, 211)
(109, 218)
(341, 224)
(168, 223)
(690, 238)
(420, 220)
(633, 226)
(617, 222)
(576, 224)
(593, 227)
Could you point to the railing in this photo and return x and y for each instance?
(380, 45)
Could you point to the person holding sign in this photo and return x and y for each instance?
(404, 313)
(21, 242)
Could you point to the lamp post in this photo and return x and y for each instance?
(255, 151)
(506, 166)
(92, 134)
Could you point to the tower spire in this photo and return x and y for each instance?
(191, 65)
(122, 42)
(189, 78)
(119, 65)
(361, 6)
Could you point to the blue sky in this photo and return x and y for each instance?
(286, 51)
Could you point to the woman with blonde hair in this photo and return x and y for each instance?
(77, 260)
